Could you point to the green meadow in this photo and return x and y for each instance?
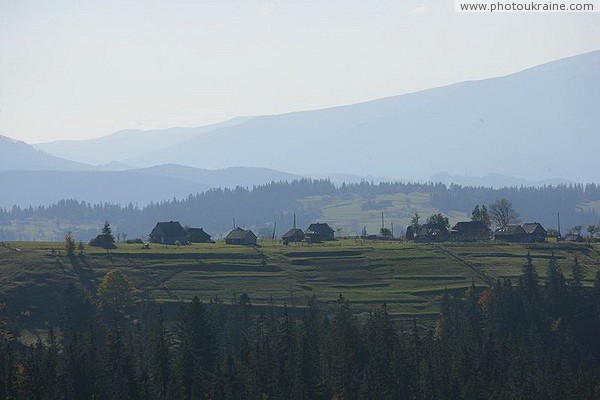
(409, 277)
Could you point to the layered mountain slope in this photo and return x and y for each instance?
(539, 123)
(126, 143)
(17, 155)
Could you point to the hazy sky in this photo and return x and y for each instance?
(83, 69)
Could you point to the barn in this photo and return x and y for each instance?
(169, 233)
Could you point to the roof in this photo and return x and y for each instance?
(572, 237)
(320, 227)
(240, 234)
(470, 226)
(432, 229)
(510, 230)
(292, 232)
(197, 232)
(171, 228)
(531, 227)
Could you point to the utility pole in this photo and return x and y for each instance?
(382, 226)
(558, 215)
(294, 220)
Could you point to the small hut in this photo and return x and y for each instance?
(197, 235)
(241, 237)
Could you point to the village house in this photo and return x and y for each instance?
(197, 235)
(168, 233)
(293, 235)
(432, 233)
(573, 237)
(535, 232)
(511, 233)
(241, 237)
(470, 231)
(318, 232)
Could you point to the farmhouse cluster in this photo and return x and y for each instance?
(173, 232)
(471, 231)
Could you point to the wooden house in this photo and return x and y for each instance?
(432, 233)
(169, 233)
(535, 232)
(197, 235)
(318, 232)
(293, 235)
(511, 233)
(241, 237)
(470, 231)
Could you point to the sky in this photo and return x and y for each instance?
(85, 69)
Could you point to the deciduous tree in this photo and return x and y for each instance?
(503, 213)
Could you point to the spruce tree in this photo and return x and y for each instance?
(555, 288)
(577, 275)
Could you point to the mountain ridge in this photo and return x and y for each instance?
(515, 114)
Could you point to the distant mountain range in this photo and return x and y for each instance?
(138, 186)
(535, 124)
(129, 143)
(17, 155)
(521, 129)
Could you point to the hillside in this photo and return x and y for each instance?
(18, 155)
(409, 277)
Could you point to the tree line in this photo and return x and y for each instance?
(525, 338)
(277, 202)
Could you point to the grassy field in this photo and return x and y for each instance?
(409, 277)
(349, 214)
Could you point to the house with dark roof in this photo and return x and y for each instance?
(470, 231)
(511, 233)
(535, 232)
(319, 231)
(293, 235)
(197, 235)
(432, 233)
(168, 233)
(573, 237)
(241, 237)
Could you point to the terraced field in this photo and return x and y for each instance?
(409, 277)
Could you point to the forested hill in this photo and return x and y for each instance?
(348, 208)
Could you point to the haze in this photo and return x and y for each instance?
(82, 70)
